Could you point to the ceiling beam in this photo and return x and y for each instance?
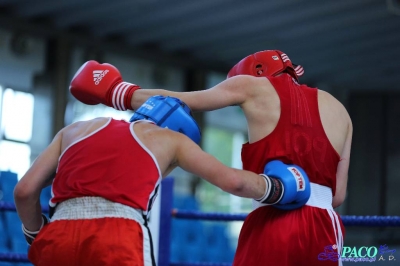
(357, 55)
(40, 8)
(219, 15)
(101, 13)
(326, 40)
(263, 21)
(157, 14)
(47, 31)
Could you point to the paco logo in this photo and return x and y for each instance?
(301, 185)
(354, 254)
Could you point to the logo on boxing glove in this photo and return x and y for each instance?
(98, 75)
(301, 185)
(294, 181)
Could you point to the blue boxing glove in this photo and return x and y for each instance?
(288, 186)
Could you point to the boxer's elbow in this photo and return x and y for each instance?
(23, 192)
(338, 199)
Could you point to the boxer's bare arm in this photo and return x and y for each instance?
(233, 91)
(255, 95)
(343, 169)
(172, 149)
(241, 183)
(28, 189)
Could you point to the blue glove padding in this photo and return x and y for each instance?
(169, 112)
(295, 182)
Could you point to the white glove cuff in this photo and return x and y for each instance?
(33, 232)
(267, 188)
(119, 94)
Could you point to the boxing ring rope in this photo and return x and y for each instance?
(348, 220)
(167, 213)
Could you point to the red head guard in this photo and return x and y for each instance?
(266, 63)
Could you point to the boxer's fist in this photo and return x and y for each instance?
(288, 186)
(96, 83)
(30, 235)
(295, 181)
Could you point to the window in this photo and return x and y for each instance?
(226, 146)
(16, 118)
(83, 112)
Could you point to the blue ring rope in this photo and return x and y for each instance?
(14, 257)
(348, 220)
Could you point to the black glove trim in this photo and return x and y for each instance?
(277, 190)
(31, 235)
(273, 191)
(267, 188)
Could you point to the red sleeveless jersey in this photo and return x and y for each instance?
(270, 236)
(111, 163)
(298, 138)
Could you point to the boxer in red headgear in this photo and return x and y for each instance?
(286, 121)
(267, 63)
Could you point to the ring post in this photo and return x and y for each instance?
(167, 187)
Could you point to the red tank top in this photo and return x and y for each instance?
(111, 163)
(298, 138)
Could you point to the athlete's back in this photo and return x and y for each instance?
(263, 111)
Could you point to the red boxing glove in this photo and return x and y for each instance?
(96, 83)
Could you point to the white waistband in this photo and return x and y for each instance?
(321, 197)
(94, 207)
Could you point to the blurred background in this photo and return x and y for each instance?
(349, 48)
